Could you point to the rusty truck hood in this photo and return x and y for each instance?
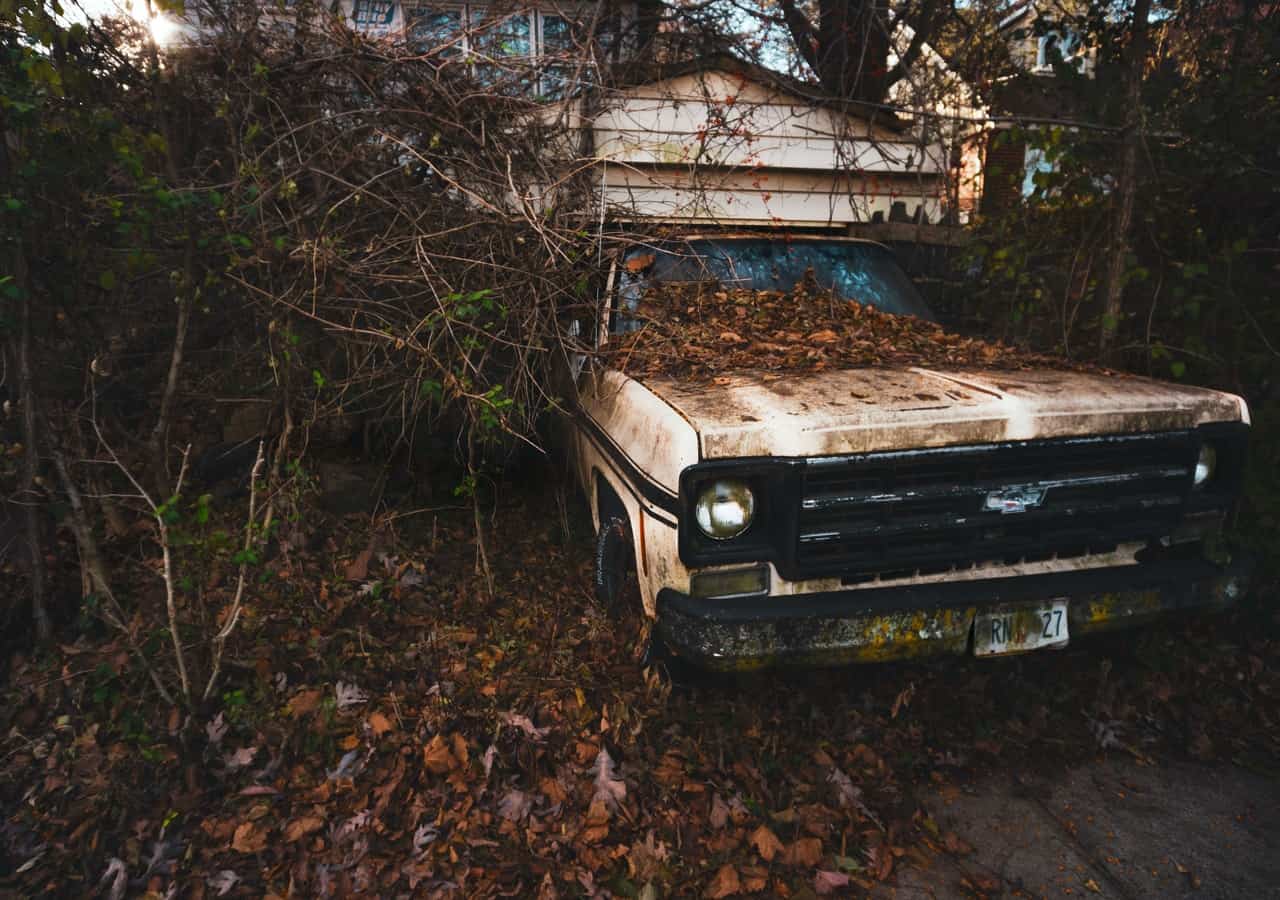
(866, 410)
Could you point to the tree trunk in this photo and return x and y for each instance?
(28, 497)
(849, 48)
(159, 444)
(19, 352)
(853, 49)
(167, 109)
(1126, 187)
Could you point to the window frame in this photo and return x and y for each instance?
(469, 42)
(383, 26)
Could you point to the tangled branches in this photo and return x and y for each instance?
(400, 220)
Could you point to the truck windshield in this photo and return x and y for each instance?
(859, 271)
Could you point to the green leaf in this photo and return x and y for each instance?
(1178, 368)
(848, 864)
(107, 280)
(202, 508)
(168, 511)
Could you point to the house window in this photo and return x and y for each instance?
(435, 29)
(1034, 163)
(558, 50)
(373, 14)
(1059, 46)
(510, 36)
(495, 45)
(557, 35)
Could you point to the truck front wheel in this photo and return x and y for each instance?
(618, 591)
(615, 562)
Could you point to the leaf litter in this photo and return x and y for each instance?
(702, 330)
(509, 746)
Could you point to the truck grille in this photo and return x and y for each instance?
(926, 511)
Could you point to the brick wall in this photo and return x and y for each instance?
(1003, 173)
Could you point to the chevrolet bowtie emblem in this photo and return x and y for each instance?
(1015, 499)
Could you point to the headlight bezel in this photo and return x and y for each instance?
(1206, 466)
(1230, 442)
(769, 481)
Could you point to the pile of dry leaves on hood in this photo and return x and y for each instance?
(702, 330)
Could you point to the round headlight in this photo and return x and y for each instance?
(725, 509)
(1206, 464)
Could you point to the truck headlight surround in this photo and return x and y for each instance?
(725, 508)
(1206, 465)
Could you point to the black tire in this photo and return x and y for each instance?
(614, 563)
(618, 593)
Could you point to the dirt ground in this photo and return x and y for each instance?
(1109, 828)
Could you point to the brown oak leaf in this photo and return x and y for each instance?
(725, 883)
(437, 756)
(805, 852)
(301, 827)
(358, 568)
(305, 702)
(248, 838)
(754, 879)
(610, 789)
(766, 843)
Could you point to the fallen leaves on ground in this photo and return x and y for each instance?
(725, 884)
(450, 743)
(766, 843)
(829, 882)
(249, 838)
(702, 331)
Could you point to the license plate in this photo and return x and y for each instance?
(1019, 629)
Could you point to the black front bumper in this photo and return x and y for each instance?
(877, 624)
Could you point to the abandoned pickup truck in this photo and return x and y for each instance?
(861, 514)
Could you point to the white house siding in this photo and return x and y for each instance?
(719, 147)
(777, 197)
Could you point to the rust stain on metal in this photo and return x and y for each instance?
(873, 638)
(866, 639)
